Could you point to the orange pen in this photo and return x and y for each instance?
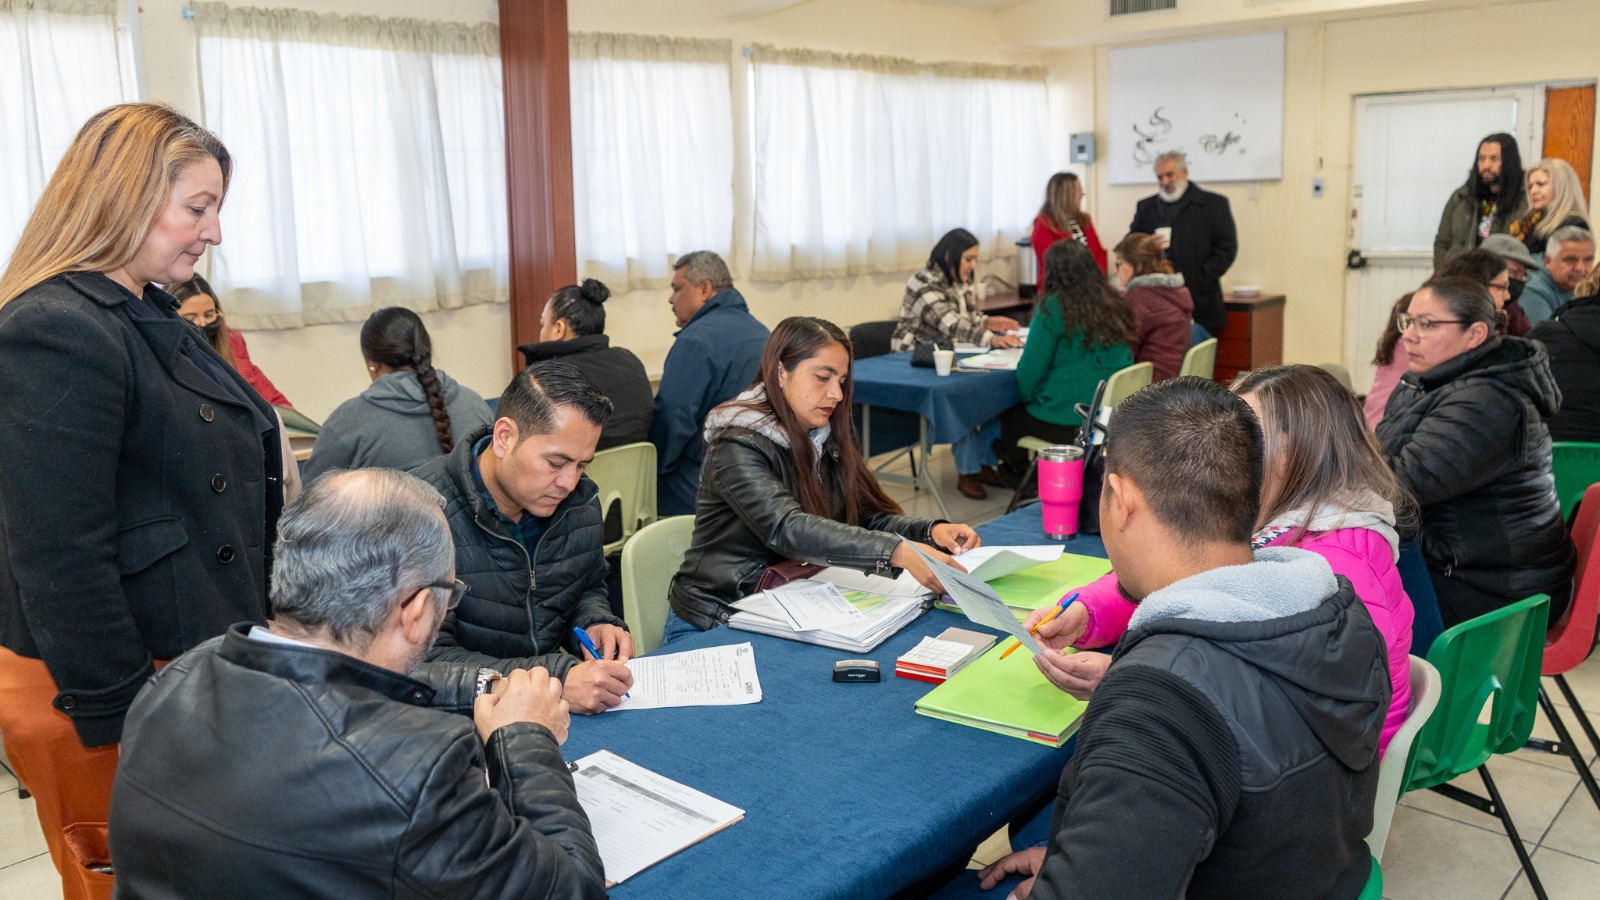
(1061, 607)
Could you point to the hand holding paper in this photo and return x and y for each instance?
(977, 601)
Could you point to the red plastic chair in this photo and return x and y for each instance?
(1569, 641)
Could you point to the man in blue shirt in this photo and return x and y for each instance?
(1568, 259)
(715, 356)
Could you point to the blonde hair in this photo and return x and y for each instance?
(1062, 195)
(1566, 199)
(106, 193)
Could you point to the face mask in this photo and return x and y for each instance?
(1516, 286)
(212, 331)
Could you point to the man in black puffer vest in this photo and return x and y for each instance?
(528, 537)
(1231, 749)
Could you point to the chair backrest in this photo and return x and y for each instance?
(1200, 360)
(1339, 373)
(626, 475)
(1494, 660)
(1425, 689)
(649, 561)
(1124, 383)
(1569, 641)
(1576, 465)
(871, 339)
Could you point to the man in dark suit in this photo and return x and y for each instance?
(1201, 241)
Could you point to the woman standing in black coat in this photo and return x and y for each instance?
(573, 330)
(141, 482)
(1465, 433)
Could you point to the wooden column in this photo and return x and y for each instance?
(533, 59)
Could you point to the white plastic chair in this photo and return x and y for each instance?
(1425, 692)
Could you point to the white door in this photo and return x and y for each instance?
(1411, 151)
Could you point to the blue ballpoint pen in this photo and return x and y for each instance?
(1061, 607)
(588, 644)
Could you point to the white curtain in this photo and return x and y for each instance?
(862, 163)
(369, 163)
(652, 154)
(59, 64)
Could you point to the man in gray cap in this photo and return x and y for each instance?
(1519, 262)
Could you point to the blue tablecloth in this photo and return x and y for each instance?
(953, 405)
(847, 792)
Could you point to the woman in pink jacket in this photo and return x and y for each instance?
(1326, 489)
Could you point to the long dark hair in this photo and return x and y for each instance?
(1391, 331)
(396, 338)
(1317, 438)
(795, 340)
(582, 306)
(1086, 299)
(1511, 178)
(946, 255)
(217, 338)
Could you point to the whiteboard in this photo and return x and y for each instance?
(1219, 100)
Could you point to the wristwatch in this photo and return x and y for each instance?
(486, 679)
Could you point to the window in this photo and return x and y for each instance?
(862, 163)
(369, 163)
(59, 64)
(652, 154)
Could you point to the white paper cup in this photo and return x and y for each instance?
(1165, 234)
(943, 360)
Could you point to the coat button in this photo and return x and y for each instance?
(225, 555)
(206, 412)
(218, 483)
(67, 701)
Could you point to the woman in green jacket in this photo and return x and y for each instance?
(1079, 336)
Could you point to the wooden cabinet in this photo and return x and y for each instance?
(1254, 336)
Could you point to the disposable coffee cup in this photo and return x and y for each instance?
(1165, 234)
(943, 360)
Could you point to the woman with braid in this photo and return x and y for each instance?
(411, 413)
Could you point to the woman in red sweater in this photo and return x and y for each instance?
(1061, 217)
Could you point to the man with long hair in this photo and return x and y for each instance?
(1491, 199)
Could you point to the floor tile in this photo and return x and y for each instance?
(1564, 877)
(1533, 794)
(32, 879)
(7, 783)
(20, 837)
(1576, 830)
(1429, 857)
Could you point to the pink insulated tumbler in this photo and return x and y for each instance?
(1060, 490)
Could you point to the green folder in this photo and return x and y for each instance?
(1006, 696)
(1045, 583)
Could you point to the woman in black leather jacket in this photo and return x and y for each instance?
(1465, 433)
(784, 479)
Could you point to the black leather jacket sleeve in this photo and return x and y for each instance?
(520, 833)
(1471, 438)
(738, 472)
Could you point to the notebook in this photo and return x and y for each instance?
(1042, 585)
(1009, 697)
(935, 659)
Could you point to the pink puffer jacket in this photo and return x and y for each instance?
(1360, 554)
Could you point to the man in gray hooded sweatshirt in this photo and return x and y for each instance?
(1231, 749)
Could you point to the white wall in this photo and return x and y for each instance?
(319, 366)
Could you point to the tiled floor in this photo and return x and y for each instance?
(1438, 849)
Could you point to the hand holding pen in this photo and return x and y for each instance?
(1039, 618)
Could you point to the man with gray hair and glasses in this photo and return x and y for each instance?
(1201, 241)
(321, 757)
(714, 357)
(1568, 259)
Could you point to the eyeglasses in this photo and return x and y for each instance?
(1503, 287)
(1404, 321)
(457, 589)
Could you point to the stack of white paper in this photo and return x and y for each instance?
(989, 563)
(639, 817)
(883, 607)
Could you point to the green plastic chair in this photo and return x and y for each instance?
(1200, 360)
(1492, 660)
(649, 560)
(1576, 465)
(1339, 373)
(626, 475)
(1122, 384)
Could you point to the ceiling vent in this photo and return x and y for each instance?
(1132, 7)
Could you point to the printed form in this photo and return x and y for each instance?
(714, 676)
(640, 818)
